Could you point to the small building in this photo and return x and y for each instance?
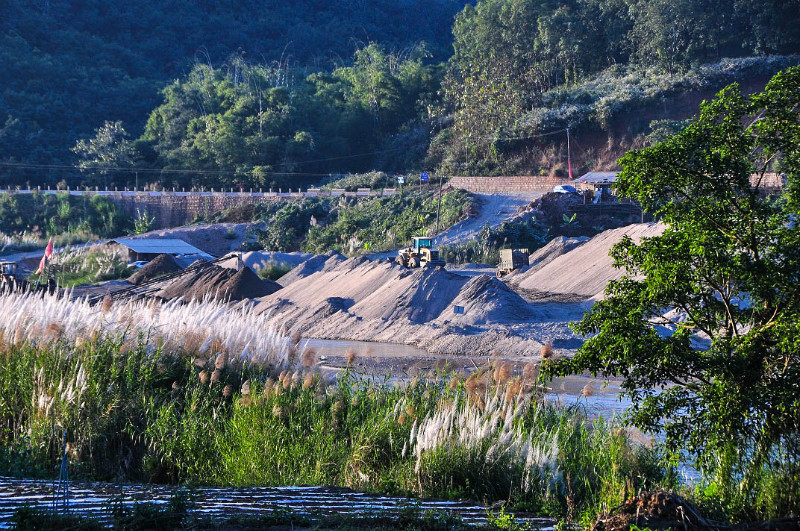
(145, 249)
(601, 181)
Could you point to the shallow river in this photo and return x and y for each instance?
(91, 498)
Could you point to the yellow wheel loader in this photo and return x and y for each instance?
(420, 254)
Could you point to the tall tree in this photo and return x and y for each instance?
(704, 328)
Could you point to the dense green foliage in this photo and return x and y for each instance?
(70, 65)
(53, 215)
(512, 58)
(704, 327)
(277, 94)
(386, 222)
(271, 127)
(353, 226)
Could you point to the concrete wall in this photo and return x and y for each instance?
(508, 185)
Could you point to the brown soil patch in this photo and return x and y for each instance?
(218, 283)
(161, 265)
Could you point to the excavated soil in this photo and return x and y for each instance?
(583, 272)
(218, 283)
(313, 265)
(662, 510)
(435, 309)
(162, 264)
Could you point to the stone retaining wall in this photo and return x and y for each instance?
(509, 185)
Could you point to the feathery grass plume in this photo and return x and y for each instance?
(108, 303)
(200, 363)
(530, 372)
(19, 334)
(175, 385)
(269, 385)
(54, 330)
(203, 376)
(309, 381)
(277, 411)
(502, 372)
(309, 358)
(227, 391)
(221, 360)
(401, 419)
(216, 376)
(246, 388)
(350, 356)
(296, 379)
(588, 390)
(546, 351)
(296, 337)
(246, 401)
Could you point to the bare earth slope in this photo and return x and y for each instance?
(368, 300)
(583, 272)
(494, 209)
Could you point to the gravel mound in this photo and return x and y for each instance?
(161, 265)
(315, 264)
(583, 272)
(365, 300)
(246, 284)
(218, 283)
(554, 248)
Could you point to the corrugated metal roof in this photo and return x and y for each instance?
(598, 177)
(161, 246)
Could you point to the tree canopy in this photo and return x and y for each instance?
(704, 328)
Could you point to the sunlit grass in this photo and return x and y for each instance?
(207, 394)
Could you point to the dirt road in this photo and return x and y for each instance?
(494, 209)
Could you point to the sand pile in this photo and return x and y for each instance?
(487, 300)
(218, 283)
(583, 272)
(554, 248)
(315, 264)
(161, 265)
(367, 300)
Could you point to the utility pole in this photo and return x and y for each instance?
(439, 208)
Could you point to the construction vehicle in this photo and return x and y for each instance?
(420, 254)
(510, 260)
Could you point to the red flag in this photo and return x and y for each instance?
(569, 165)
(48, 252)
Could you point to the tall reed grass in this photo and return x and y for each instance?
(206, 394)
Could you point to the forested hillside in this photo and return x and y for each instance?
(261, 94)
(66, 66)
(526, 68)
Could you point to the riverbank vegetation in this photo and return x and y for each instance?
(27, 221)
(709, 311)
(201, 394)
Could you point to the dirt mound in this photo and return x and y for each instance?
(218, 283)
(365, 300)
(554, 248)
(161, 265)
(245, 284)
(658, 510)
(486, 300)
(583, 272)
(315, 264)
